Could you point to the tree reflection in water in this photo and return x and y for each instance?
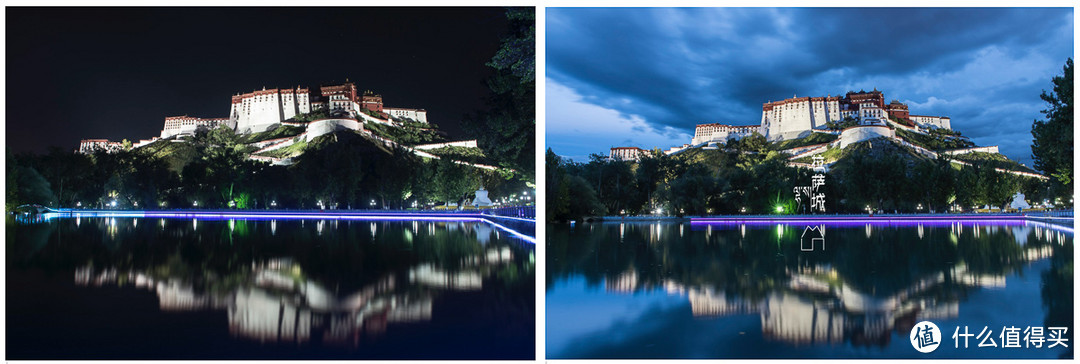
(871, 281)
(336, 283)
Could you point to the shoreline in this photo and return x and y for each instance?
(525, 227)
(1055, 216)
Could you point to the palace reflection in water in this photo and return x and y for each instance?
(624, 290)
(272, 288)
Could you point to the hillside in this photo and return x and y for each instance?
(935, 141)
(178, 154)
(993, 159)
(875, 148)
(282, 131)
(300, 146)
(812, 139)
(472, 155)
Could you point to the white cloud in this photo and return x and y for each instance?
(576, 128)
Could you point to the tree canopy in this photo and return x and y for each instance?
(1052, 147)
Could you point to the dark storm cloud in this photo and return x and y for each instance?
(678, 67)
(116, 73)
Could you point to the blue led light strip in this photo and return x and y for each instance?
(256, 215)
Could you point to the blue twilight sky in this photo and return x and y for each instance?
(645, 76)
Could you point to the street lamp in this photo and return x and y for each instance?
(113, 203)
(195, 203)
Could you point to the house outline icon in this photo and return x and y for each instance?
(811, 235)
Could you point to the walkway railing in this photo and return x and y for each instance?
(523, 212)
(1053, 213)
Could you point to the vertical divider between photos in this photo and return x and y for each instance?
(541, 182)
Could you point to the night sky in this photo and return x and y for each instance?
(118, 72)
(644, 77)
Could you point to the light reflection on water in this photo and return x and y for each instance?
(276, 302)
(615, 291)
(296, 290)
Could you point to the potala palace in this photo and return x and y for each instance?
(798, 117)
(856, 117)
(264, 109)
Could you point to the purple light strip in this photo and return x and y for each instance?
(862, 222)
(290, 214)
(861, 218)
(270, 213)
(882, 221)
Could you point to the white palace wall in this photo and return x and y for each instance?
(327, 126)
(860, 133)
(794, 117)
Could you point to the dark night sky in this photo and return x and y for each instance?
(77, 73)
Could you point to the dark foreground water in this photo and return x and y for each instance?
(119, 288)
(669, 290)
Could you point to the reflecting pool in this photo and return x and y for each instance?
(169, 288)
(734, 290)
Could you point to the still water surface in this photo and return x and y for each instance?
(118, 288)
(671, 290)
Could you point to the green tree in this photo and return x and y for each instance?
(32, 187)
(691, 192)
(936, 184)
(558, 193)
(506, 131)
(569, 196)
(12, 174)
(454, 181)
(1052, 146)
